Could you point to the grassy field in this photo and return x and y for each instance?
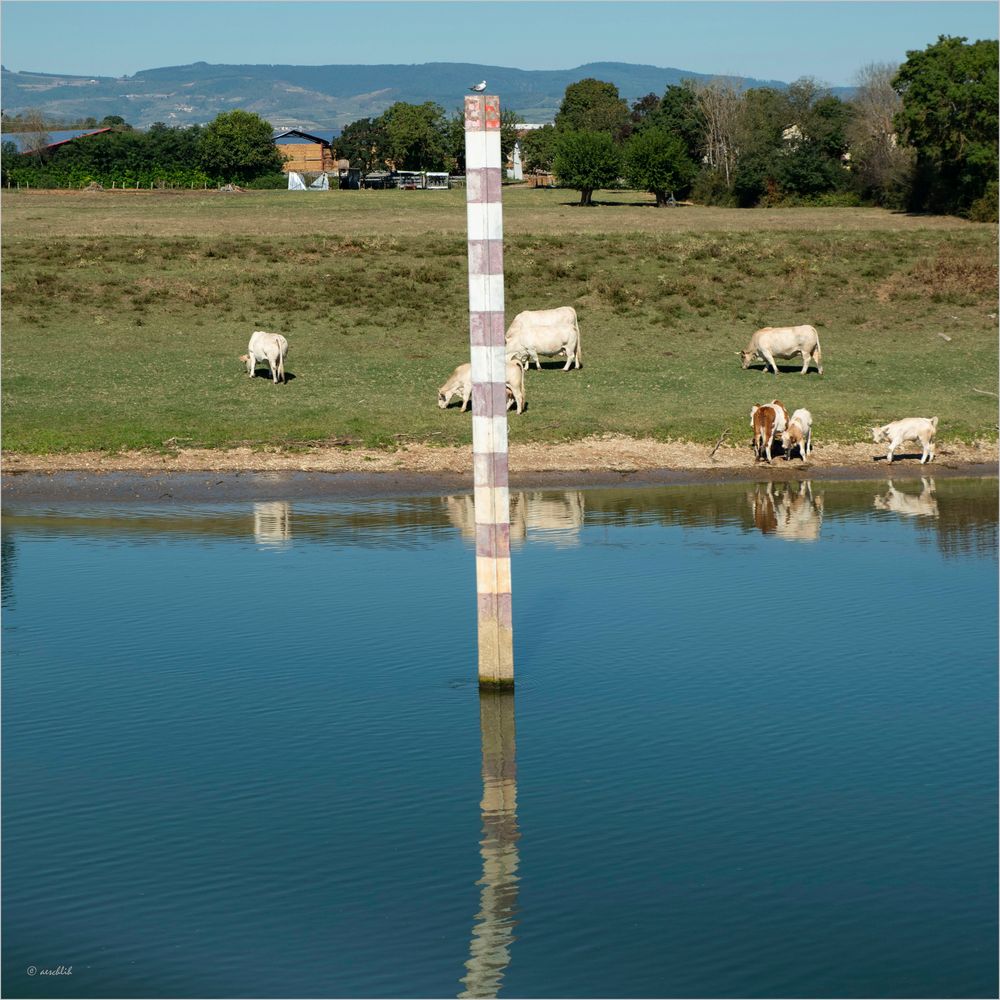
(124, 315)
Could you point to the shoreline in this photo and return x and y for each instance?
(610, 460)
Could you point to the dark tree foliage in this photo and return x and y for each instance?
(593, 106)
(538, 148)
(363, 143)
(949, 116)
(679, 114)
(643, 111)
(587, 161)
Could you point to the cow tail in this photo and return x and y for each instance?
(281, 365)
(579, 357)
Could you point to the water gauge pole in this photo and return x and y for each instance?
(489, 395)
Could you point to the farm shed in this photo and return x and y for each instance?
(305, 152)
(25, 140)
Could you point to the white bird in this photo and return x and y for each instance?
(479, 87)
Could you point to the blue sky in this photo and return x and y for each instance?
(830, 41)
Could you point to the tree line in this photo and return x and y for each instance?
(920, 137)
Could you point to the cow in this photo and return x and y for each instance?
(920, 429)
(798, 434)
(545, 331)
(269, 347)
(460, 384)
(783, 342)
(766, 420)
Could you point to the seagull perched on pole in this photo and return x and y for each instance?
(479, 87)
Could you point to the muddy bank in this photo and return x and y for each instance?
(244, 473)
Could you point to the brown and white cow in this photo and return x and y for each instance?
(766, 420)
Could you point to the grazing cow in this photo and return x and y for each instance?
(460, 384)
(766, 420)
(545, 331)
(783, 342)
(920, 429)
(269, 347)
(923, 504)
(798, 434)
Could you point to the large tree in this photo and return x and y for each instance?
(656, 161)
(237, 146)
(593, 106)
(949, 115)
(363, 144)
(417, 136)
(880, 165)
(587, 161)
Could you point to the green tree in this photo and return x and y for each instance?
(237, 146)
(416, 136)
(679, 114)
(656, 161)
(593, 106)
(586, 161)
(538, 148)
(363, 143)
(949, 115)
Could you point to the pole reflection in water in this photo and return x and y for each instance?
(272, 522)
(493, 931)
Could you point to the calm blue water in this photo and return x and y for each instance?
(752, 750)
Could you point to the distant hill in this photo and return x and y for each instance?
(315, 96)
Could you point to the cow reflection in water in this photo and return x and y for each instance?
(923, 504)
(272, 523)
(493, 930)
(552, 517)
(795, 515)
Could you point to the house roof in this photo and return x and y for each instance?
(23, 139)
(291, 136)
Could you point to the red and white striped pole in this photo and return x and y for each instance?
(489, 395)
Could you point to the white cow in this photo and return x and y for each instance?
(545, 331)
(269, 347)
(798, 434)
(920, 429)
(783, 342)
(460, 384)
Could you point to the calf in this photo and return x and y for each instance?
(766, 420)
(460, 384)
(798, 434)
(269, 347)
(920, 429)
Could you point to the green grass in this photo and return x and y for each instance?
(124, 315)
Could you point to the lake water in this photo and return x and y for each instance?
(752, 750)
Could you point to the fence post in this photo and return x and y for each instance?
(484, 213)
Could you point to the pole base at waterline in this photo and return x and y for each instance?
(496, 655)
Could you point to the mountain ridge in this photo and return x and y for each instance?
(320, 96)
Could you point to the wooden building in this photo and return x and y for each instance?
(305, 152)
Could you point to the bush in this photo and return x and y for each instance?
(271, 182)
(710, 188)
(985, 209)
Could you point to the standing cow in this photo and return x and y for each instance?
(783, 342)
(545, 331)
(269, 347)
